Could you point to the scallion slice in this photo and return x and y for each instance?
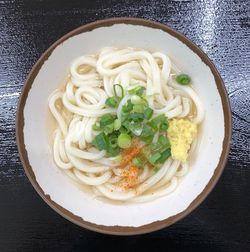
(106, 120)
(117, 124)
(183, 79)
(101, 141)
(96, 126)
(137, 162)
(112, 102)
(121, 89)
(164, 156)
(153, 159)
(148, 113)
(163, 140)
(124, 141)
(135, 99)
(139, 108)
(138, 90)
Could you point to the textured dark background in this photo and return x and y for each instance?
(221, 28)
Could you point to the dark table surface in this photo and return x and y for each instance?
(221, 28)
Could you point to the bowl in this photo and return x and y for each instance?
(76, 204)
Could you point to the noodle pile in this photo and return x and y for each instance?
(79, 106)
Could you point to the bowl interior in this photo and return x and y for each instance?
(53, 72)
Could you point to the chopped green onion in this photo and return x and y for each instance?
(164, 141)
(106, 120)
(164, 156)
(108, 128)
(115, 90)
(123, 129)
(113, 151)
(183, 79)
(113, 140)
(112, 102)
(124, 141)
(135, 99)
(136, 117)
(139, 108)
(164, 126)
(137, 162)
(157, 121)
(96, 126)
(117, 124)
(138, 90)
(148, 113)
(147, 134)
(136, 120)
(135, 128)
(101, 141)
(153, 159)
(156, 147)
(128, 107)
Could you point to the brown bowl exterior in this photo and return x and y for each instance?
(118, 230)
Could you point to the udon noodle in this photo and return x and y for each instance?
(82, 102)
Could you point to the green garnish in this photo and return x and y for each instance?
(123, 129)
(148, 113)
(117, 124)
(113, 151)
(137, 162)
(109, 128)
(134, 128)
(107, 143)
(106, 120)
(153, 159)
(121, 89)
(145, 151)
(101, 141)
(124, 141)
(156, 147)
(138, 90)
(135, 99)
(127, 108)
(96, 126)
(164, 126)
(159, 122)
(183, 79)
(147, 134)
(136, 121)
(112, 102)
(113, 140)
(139, 108)
(160, 151)
(106, 123)
(164, 156)
(163, 140)
(135, 116)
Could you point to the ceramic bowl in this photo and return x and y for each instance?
(76, 204)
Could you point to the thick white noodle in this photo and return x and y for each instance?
(58, 116)
(78, 107)
(57, 155)
(170, 187)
